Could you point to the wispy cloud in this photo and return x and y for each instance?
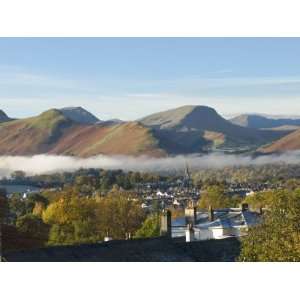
(13, 77)
(134, 98)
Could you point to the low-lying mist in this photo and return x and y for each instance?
(45, 164)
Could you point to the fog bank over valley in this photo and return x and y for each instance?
(46, 164)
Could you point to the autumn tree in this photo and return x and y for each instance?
(34, 203)
(72, 219)
(150, 227)
(119, 214)
(277, 238)
(216, 197)
(261, 199)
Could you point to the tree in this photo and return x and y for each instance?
(35, 200)
(18, 175)
(33, 228)
(72, 219)
(261, 199)
(277, 238)
(150, 227)
(3, 215)
(215, 197)
(17, 206)
(38, 209)
(4, 208)
(119, 214)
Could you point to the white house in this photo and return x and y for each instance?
(226, 223)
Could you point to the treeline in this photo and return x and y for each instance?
(248, 174)
(99, 179)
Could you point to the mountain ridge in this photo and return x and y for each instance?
(202, 128)
(262, 122)
(52, 132)
(290, 142)
(4, 117)
(184, 130)
(79, 115)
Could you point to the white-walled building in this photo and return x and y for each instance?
(232, 222)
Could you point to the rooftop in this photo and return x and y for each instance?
(138, 250)
(222, 218)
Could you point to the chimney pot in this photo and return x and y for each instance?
(210, 214)
(190, 213)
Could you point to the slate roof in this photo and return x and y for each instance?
(222, 218)
(139, 250)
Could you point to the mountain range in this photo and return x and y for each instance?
(260, 122)
(192, 129)
(3, 117)
(188, 129)
(290, 142)
(80, 115)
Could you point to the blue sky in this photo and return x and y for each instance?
(131, 77)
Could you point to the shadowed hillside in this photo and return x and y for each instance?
(190, 129)
(257, 121)
(79, 115)
(4, 117)
(290, 142)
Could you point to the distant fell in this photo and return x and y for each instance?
(184, 130)
(290, 142)
(189, 116)
(4, 117)
(191, 129)
(79, 115)
(53, 133)
(258, 121)
(32, 135)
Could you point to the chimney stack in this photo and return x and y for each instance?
(189, 233)
(166, 225)
(210, 214)
(190, 213)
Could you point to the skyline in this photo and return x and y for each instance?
(128, 78)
